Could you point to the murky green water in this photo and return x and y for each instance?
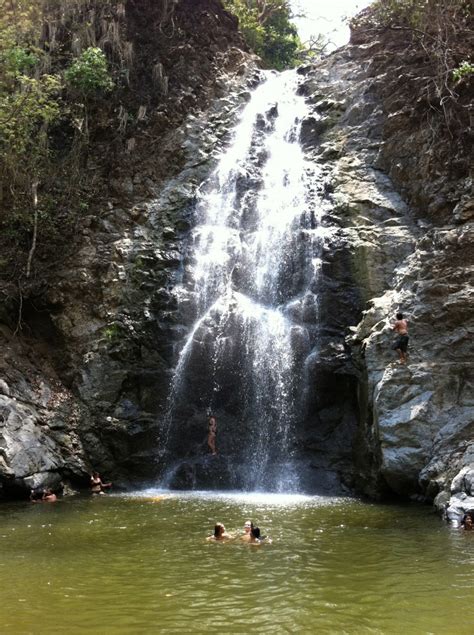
(135, 565)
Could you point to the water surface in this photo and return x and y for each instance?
(141, 564)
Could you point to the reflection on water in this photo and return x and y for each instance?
(140, 564)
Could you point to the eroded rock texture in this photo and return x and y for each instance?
(85, 377)
(88, 344)
(404, 244)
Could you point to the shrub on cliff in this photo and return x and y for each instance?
(268, 31)
(89, 74)
(439, 32)
(44, 130)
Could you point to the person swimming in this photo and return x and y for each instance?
(45, 496)
(468, 521)
(247, 535)
(220, 533)
(257, 538)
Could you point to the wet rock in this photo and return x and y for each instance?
(416, 422)
(4, 388)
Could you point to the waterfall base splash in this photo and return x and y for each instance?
(220, 473)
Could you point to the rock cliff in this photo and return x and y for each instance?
(86, 370)
(88, 344)
(401, 195)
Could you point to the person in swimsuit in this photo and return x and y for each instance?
(219, 533)
(97, 487)
(401, 343)
(211, 434)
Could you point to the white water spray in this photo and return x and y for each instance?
(252, 263)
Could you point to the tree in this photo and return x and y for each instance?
(268, 31)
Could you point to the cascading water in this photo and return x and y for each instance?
(249, 296)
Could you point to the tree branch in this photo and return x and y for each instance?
(34, 192)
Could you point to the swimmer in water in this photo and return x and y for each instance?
(220, 533)
(468, 521)
(256, 537)
(247, 536)
(49, 496)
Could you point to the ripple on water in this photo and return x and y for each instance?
(335, 566)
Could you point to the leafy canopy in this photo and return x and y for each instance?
(266, 27)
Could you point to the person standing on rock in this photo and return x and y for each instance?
(401, 343)
(211, 435)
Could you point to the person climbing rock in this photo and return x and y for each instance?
(401, 343)
(211, 434)
(97, 487)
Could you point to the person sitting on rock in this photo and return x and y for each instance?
(401, 343)
(211, 435)
(97, 487)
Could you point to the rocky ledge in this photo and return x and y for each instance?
(87, 348)
(403, 242)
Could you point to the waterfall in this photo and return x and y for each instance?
(248, 296)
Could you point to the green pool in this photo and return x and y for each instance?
(140, 564)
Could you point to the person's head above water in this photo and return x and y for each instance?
(248, 526)
(219, 529)
(399, 316)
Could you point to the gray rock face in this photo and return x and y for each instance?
(40, 445)
(416, 422)
(462, 496)
(85, 390)
(83, 387)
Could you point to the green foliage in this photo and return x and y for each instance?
(415, 14)
(89, 73)
(113, 332)
(28, 105)
(409, 12)
(17, 60)
(268, 31)
(465, 69)
(26, 111)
